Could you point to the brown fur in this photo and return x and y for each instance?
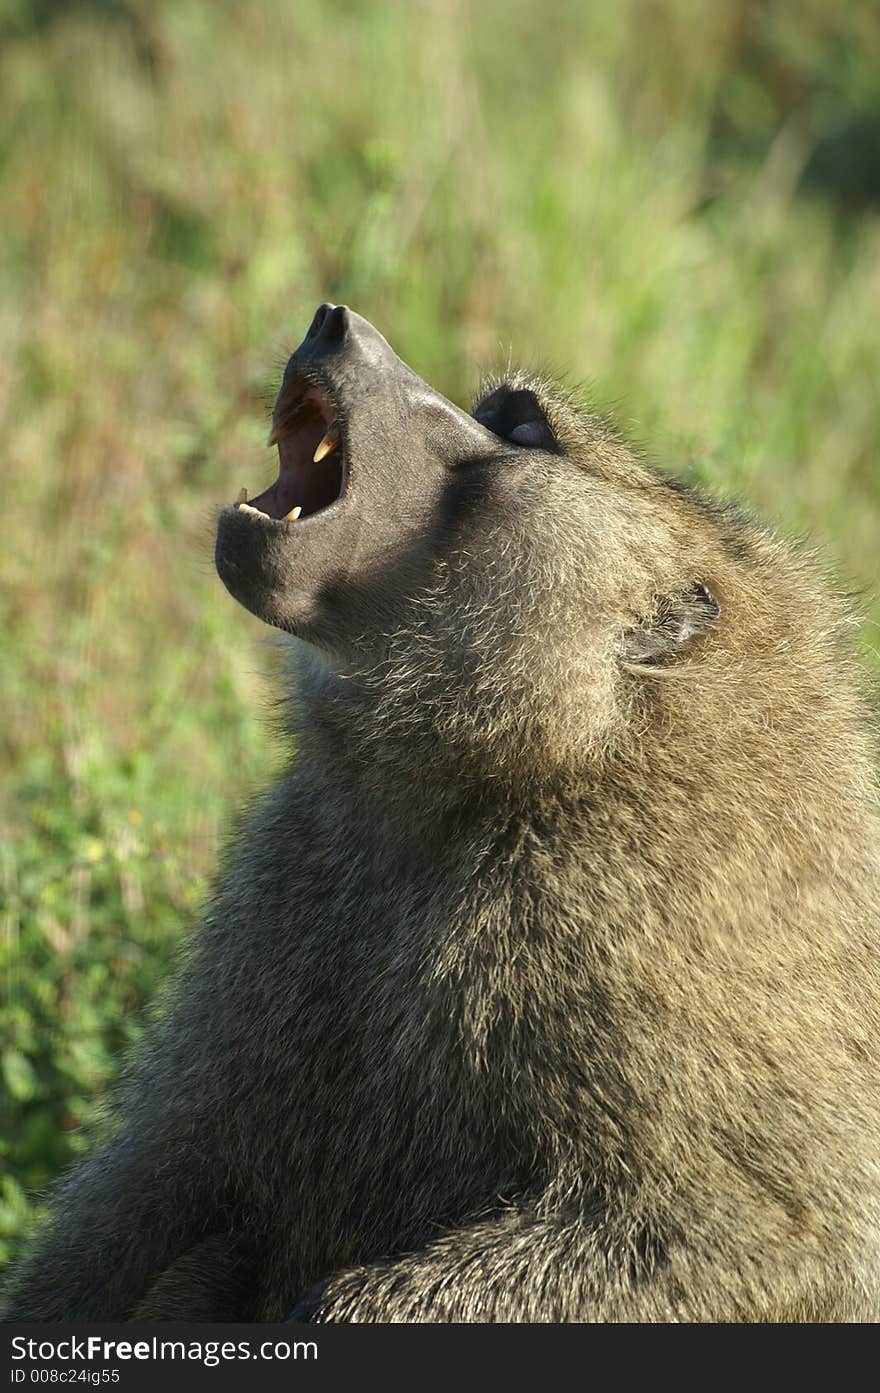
(544, 984)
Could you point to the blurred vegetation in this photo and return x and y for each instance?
(675, 202)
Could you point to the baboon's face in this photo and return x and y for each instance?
(396, 511)
(367, 452)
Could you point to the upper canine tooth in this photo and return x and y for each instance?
(330, 441)
(292, 515)
(242, 496)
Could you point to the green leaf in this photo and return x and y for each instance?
(19, 1075)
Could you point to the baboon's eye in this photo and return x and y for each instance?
(529, 433)
(516, 415)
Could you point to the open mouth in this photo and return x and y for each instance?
(312, 467)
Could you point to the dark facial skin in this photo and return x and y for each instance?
(373, 498)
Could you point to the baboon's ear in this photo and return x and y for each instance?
(676, 621)
(515, 414)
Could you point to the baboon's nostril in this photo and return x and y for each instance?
(329, 325)
(335, 325)
(321, 314)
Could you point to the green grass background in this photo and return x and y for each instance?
(674, 202)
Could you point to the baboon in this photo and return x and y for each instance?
(543, 985)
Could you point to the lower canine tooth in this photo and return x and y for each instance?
(242, 496)
(292, 515)
(330, 441)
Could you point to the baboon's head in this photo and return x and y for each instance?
(369, 459)
(505, 576)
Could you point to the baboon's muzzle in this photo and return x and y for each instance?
(365, 450)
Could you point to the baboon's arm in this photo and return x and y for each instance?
(523, 1268)
(126, 1213)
